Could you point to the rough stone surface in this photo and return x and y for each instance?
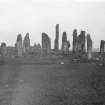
(81, 42)
(56, 46)
(3, 49)
(75, 38)
(19, 45)
(89, 46)
(26, 43)
(64, 40)
(102, 46)
(68, 43)
(46, 44)
(65, 44)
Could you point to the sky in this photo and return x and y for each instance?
(37, 16)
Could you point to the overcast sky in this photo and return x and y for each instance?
(37, 16)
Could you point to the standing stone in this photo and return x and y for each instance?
(37, 49)
(26, 43)
(89, 46)
(68, 43)
(3, 49)
(75, 38)
(64, 40)
(46, 44)
(68, 46)
(56, 46)
(81, 42)
(102, 46)
(19, 45)
(65, 44)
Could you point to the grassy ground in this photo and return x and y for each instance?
(52, 83)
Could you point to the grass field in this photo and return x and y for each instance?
(52, 83)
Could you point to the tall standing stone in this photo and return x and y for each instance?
(65, 44)
(56, 46)
(81, 42)
(102, 46)
(46, 44)
(64, 40)
(89, 46)
(26, 43)
(75, 38)
(19, 45)
(3, 49)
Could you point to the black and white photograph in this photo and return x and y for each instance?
(52, 52)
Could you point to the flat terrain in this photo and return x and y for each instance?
(52, 83)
